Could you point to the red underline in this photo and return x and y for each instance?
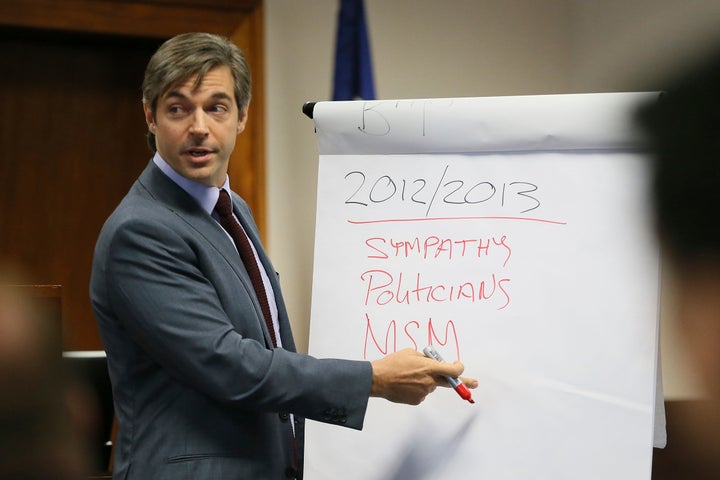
(430, 219)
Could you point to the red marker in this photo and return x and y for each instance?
(454, 382)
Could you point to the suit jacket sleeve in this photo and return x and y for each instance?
(174, 294)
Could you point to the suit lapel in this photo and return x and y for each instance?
(167, 192)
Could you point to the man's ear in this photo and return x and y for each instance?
(242, 120)
(149, 117)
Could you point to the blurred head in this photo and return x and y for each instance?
(683, 130)
(39, 434)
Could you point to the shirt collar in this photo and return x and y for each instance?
(206, 196)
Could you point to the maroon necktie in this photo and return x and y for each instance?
(231, 225)
(242, 243)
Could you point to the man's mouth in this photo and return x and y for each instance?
(198, 152)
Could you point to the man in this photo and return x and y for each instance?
(683, 129)
(206, 381)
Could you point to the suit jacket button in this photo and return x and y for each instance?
(283, 416)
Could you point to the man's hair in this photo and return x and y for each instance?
(683, 129)
(189, 54)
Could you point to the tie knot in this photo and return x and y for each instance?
(224, 205)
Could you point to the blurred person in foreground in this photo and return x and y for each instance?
(42, 413)
(683, 131)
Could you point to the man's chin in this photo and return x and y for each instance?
(198, 173)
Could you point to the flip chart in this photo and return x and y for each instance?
(513, 234)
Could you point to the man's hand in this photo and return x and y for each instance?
(408, 376)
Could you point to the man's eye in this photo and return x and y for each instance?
(175, 109)
(218, 109)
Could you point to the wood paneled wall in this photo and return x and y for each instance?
(73, 132)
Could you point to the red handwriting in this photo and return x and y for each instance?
(436, 247)
(410, 331)
(382, 288)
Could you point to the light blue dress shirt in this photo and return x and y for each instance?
(207, 197)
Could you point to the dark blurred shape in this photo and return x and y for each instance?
(689, 453)
(43, 416)
(683, 135)
(89, 369)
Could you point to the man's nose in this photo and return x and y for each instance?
(199, 125)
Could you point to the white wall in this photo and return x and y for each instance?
(633, 44)
(430, 48)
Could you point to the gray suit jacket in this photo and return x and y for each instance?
(199, 392)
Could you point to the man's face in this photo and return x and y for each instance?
(195, 129)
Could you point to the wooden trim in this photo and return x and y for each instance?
(40, 291)
(250, 146)
(148, 18)
(214, 4)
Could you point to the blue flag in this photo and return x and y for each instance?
(353, 69)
